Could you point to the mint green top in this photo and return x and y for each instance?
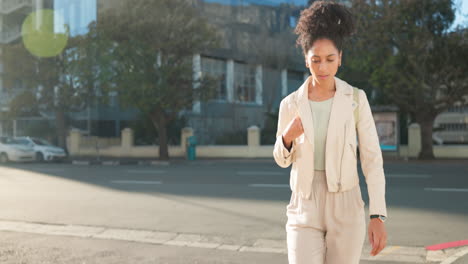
(320, 114)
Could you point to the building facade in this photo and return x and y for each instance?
(257, 65)
(12, 15)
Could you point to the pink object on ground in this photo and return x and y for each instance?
(448, 245)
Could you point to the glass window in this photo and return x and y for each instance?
(216, 68)
(292, 21)
(41, 142)
(76, 14)
(244, 82)
(258, 2)
(9, 140)
(113, 98)
(20, 141)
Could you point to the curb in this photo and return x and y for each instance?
(142, 236)
(119, 162)
(116, 162)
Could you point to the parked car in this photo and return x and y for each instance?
(11, 150)
(43, 149)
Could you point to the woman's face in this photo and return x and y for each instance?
(323, 60)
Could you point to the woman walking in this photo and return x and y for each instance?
(318, 125)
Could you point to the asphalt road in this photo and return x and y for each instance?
(236, 201)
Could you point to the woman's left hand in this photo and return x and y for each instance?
(377, 236)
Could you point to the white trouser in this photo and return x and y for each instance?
(330, 228)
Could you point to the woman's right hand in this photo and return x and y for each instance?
(292, 131)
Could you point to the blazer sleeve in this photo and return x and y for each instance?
(371, 157)
(282, 156)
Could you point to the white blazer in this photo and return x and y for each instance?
(340, 149)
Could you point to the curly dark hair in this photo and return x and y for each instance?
(324, 19)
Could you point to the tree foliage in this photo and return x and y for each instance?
(407, 52)
(153, 43)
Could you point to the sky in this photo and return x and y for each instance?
(75, 13)
(461, 13)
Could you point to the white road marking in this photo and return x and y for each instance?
(395, 254)
(136, 182)
(454, 257)
(50, 169)
(446, 189)
(260, 173)
(263, 185)
(423, 176)
(386, 252)
(146, 171)
(392, 253)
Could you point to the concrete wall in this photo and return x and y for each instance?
(253, 149)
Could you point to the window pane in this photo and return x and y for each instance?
(216, 68)
(244, 82)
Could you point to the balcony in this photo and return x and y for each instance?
(5, 99)
(10, 35)
(9, 6)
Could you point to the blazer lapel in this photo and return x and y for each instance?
(304, 111)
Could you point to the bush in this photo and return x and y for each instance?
(233, 138)
(146, 134)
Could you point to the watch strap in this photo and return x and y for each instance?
(380, 217)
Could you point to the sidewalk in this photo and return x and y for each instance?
(28, 248)
(89, 235)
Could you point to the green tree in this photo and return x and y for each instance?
(25, 73)
(92, 67)
(61, 84)
(405, 50)
(153, 46)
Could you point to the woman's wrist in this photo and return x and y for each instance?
(287, 142)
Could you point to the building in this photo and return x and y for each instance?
(258, 65)
(255, 76)
(12, 15)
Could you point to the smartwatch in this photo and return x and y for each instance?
(381, 217)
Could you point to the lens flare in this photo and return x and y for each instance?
(42, 36)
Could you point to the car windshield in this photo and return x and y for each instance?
(41, 142)
(7, 140)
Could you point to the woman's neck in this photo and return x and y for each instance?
(321, 92)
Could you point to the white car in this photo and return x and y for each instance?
(44, 150)
(10, 150)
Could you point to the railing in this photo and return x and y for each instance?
(454, 126)
(10, 35)
(458, 109)
(5, 99)
(8, 6)
(453, 132)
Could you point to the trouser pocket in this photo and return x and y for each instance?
(294, 206)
